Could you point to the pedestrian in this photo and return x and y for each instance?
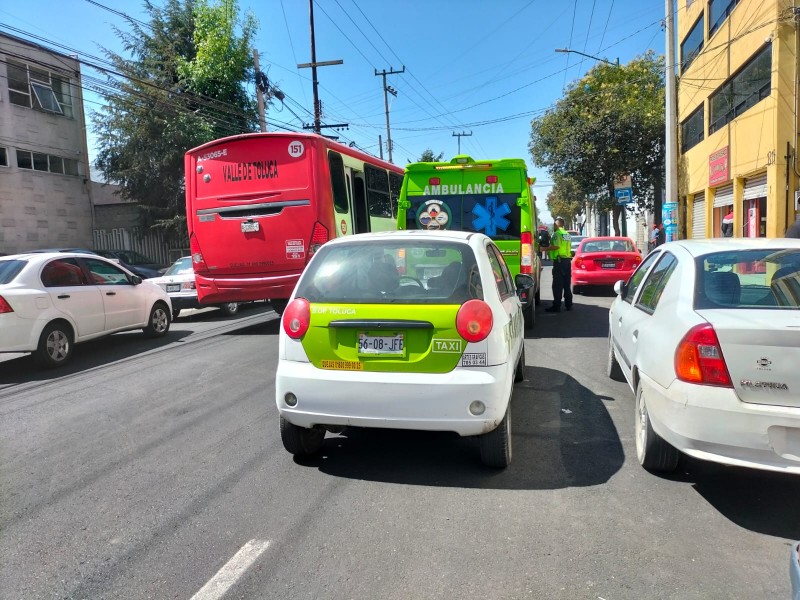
(544, 241)
(661, 235)
(560, 249)
(727, 223)
(793, 231)
(653, 241)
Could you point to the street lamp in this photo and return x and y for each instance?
(569, 51)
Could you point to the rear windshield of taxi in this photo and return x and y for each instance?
(764, 278)
(413, 272)
(9, 269)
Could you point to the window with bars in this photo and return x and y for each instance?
(37, 88)
(47, 163)
(744, 90)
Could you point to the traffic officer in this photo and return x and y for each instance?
(560, 249)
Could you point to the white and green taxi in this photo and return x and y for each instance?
(403, 330)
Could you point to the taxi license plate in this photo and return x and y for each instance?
(174, 287)
(389, 344)
(608, 265)
(250, 226)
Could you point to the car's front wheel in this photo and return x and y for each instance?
(55, 345)
(229, 308)
(519, 372)
(529, 315)
(158, 323)
(653, 452)
(301, 441)
(613, 370)
(496, 445)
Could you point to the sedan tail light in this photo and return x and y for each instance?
(5, 307)
(474, 320)
(297, 318)
(699, 359)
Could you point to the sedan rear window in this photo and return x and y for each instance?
(608, 246)
(9, 269)
(763, 278)
(415, 272)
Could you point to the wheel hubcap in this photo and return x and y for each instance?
(57, 345)
(641, 425)
(160, 320)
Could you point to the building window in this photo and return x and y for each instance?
(47, 163)
(750, 85)
(718, 11)
(38, 88)
(692, 44)
(3, 157)
(692, 129)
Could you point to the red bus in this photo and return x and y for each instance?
(258, 205)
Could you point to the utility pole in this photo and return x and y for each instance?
(459, 136)
(260, 82)
(315, 84)
(388, 89)
(671, 138)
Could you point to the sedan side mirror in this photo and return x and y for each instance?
(136, 280)
(620, 288)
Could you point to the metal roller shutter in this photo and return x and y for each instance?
(755, 187)
(724, 196)
(699, 219)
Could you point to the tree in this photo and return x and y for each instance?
(610, 122)
(184, 85)
(429, 156)
(566, 198)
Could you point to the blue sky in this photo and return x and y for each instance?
(485, 67)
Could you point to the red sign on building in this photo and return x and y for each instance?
(718, 167)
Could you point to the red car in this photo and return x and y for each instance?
(603, 261)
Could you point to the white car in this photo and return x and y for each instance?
(51, 301)
(707, 335)
(403, 330)
(179, 283)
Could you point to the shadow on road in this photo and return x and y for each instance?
(562, 437)
(761, 501)
(584, 320)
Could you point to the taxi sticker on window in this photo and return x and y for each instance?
(447, 346)
(476, 359)
(344, 365)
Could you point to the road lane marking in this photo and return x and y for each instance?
(231, 571)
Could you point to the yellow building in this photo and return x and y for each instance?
(737, 117)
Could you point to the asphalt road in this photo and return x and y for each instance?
(156, 471)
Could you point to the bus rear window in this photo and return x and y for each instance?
(495, 215)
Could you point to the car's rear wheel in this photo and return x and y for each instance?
(278, 306)
(519, 373)
(529, 315)
(229, 308)
(653, 452)
(55, 345)
(613, 370)
(496, 445)
(577, 289)
(301, 441)
(175, 313)
(158, 323)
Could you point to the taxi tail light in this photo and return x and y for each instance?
(474, 320)
(297, 318)
(5, 307)
(526, 252)
(198, 262)
(318, 237)
(699, 359)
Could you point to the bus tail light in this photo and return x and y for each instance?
(318, 237)
(526, 252)
(198, 261)
(698, 358)
(474, 320)
(297, 318)
(5, 307)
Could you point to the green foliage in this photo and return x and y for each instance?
(566, 198)
(429, 156)
(609, 122)
(183, 85)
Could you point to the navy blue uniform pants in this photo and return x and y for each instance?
(562, 281)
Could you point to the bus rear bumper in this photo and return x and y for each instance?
(221, 289)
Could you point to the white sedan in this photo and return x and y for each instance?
(707, 335)
(403, 330)
(179, 283)
(51, 301)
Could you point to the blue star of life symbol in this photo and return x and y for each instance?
(489, 216)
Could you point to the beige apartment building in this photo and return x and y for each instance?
(738, 117)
